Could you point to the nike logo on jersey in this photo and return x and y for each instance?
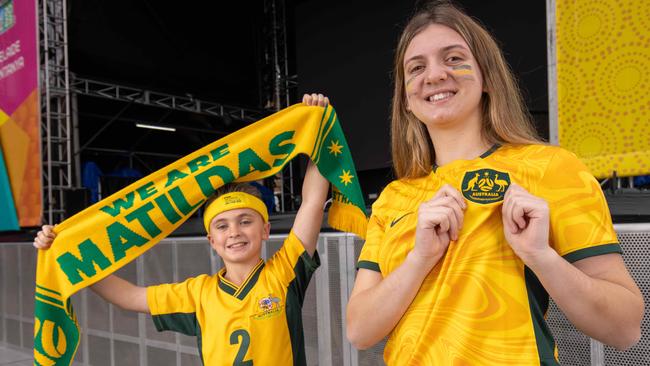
(395, 221)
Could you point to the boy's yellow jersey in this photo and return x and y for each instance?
(480, 305)
(258, 323)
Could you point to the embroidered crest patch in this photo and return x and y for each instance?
(485, 185)
(269, 306)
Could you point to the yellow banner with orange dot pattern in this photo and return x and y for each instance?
(603, 58)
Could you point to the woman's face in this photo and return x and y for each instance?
(443, 83)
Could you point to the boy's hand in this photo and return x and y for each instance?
(45, 237)
(315, 100)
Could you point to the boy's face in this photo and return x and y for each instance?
(237, 235)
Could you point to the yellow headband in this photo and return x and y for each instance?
(231, 201)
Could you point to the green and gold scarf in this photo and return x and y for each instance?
(111, 233)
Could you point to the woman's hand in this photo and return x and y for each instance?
(315, 100)
(440, 220)
(526, 223)
(45, 237)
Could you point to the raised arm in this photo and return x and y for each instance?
(439, 221)
(309, 218)
(113, 289)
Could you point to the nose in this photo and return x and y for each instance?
(233, 231)
(436, 73)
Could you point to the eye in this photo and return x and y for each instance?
(246, 222)
(415, 69)
(454, 59)
(221, 227)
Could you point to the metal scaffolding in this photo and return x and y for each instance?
(128, 94)
(277, 92)
(59, 88)
(55, 107)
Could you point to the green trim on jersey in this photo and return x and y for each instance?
(538, 302)
(369, 265)
(593, 251)
(278, 285)
(185, 323)
(297, 288)
(240, 292)
(227, 288)
(250, 282)
(489, 152)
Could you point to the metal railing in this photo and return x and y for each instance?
(112, 337)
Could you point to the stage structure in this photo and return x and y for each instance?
(277, 91)
(55, 108)
(60, 87)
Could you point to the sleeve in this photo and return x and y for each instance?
(293, 266)
(580, 222)
(369, 257)
(173, 306)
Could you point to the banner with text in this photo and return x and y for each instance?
(109, 234)
(19, 109)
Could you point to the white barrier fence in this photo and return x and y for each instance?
(112, 337)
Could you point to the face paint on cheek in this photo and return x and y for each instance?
(464, 71)
(408, 84)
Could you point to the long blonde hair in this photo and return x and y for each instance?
(505, 117)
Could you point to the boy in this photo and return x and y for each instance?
(249, 312)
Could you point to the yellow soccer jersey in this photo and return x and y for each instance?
(480, 305)
(258, 323)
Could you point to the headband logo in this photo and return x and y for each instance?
(229, 200)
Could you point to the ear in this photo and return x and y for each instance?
(212, 244)
(267, 231)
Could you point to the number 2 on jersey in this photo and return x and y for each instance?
(243, 347)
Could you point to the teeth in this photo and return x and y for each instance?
(440, 96)
(236, 245)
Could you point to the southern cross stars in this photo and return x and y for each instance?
(335, 148)
(346, 178)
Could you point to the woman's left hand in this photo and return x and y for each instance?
(525, 223)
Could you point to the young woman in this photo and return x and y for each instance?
(484, 222)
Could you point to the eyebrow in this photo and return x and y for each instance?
(444, 49)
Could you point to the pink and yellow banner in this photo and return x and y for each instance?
(19, 107)
(603, 58)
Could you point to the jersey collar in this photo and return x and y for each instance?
(489, 152)
(240, 292)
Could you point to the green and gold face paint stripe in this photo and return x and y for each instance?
(409, 81)
(462, 70)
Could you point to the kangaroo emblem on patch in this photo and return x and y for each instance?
(485, 185)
